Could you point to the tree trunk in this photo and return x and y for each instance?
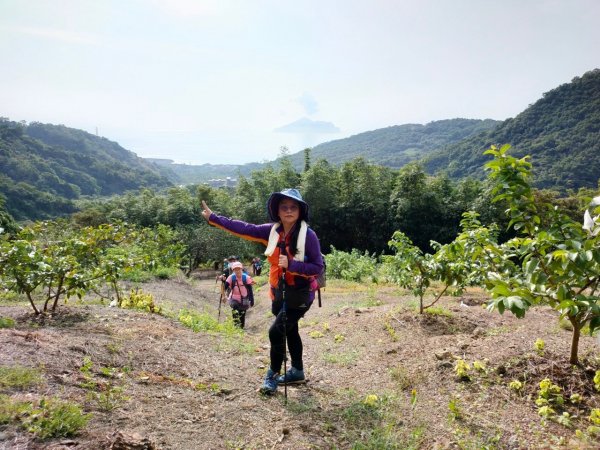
(58, 294)
(37, 312)
(117, 293)
(575, 340)
(48, 297)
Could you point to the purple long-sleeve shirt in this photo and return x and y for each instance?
(298, 272)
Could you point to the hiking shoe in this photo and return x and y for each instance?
(269, 386)
(292, 376)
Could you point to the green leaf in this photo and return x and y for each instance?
(563, 292)
(594, 324)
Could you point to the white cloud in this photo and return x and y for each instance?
(309, 103)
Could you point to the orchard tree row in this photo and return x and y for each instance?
(49, 261)
(552, 260)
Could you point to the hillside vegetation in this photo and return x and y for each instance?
(398, 145)
(392, 147)
(561, 132)
(45, 167)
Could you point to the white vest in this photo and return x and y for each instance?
(274, 240)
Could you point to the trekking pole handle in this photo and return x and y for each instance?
(281, 245)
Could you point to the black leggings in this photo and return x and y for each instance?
(277, 337)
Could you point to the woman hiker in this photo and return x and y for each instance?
(238, 284)
(294, 252)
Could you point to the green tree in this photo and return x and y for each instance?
(7, 223)
(320, 189)
(363, 198)
(306, 159)
(559, 258)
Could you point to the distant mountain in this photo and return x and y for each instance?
(561, 132)
(43, 168)
(397, 145)
(392, 147)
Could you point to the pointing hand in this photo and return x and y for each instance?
(206, 211)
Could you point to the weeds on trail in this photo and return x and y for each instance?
(202, 321)
(106, 393)
(6, 322)
(372, 422)
(140, 301)
(342, 359)
(46, 418)
(305, 406)
(455, 409)
(387, 324)
(404, 379)
(367, 301)
(438, 311)
(18, 377)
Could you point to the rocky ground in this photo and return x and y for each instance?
(380, 375)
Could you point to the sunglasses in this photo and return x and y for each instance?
(288, 208)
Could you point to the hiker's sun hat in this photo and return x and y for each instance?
(237, 265)
(276, 197)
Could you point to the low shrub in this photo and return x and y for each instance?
(46, 418)
(18, 377)
(6, 322)
(138, 300)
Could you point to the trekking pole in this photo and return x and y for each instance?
(220, 298)
(284, 317)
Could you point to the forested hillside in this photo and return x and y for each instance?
(391, 147)
(396, 146)
(43, 168)
(561, 132)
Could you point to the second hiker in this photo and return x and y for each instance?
(241, 297)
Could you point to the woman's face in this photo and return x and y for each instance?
(289, 211)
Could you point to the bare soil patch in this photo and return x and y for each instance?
(186, 390)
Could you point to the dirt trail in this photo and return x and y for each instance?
(187, 390)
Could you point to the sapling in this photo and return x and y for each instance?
(558, 257)
(515, 385)
(539, 346)
(371, 400)
(462, 369)
(576, 399)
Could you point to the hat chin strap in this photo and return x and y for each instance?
(274, 239)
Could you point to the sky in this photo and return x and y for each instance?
(235, 81)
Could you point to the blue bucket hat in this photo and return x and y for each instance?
(276, 197)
